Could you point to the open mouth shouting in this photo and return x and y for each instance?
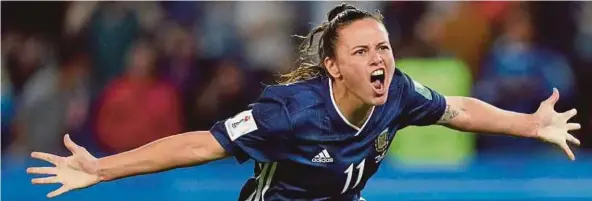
(377, 79)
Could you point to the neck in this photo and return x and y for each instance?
(351, 107)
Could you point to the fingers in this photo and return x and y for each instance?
(567, 151)
(73, 147)
(569, 114)
(573, 139)
(46, 157)
(553, 98)
(59, 191)
(45, 180)
(42, 170)
(573, 126)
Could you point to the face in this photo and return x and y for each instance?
(363, 60)
(142, 58)
(518, 27)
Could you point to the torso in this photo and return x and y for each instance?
(330, 159)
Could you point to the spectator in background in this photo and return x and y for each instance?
(10, 40)
(427, 37)
(450, 29)
(112, 28)
(76, 87)
(185, 13)
(519, 74)
(583, 39)
(7, 114)
(217, 33)
(466, 32)
(582, 44)
(39, 103)
(7, 104)
(179, 65)
(138, 107)
(223, 95)
(265, 28)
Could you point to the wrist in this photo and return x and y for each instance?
(522, 125)
(533, 123)
(100, 170)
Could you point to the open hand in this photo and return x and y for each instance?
(73, 172)
(554, 126)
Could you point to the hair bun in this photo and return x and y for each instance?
(339, 9)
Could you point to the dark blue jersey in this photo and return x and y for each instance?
(305, 149)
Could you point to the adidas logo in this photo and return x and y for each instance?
(323, 157)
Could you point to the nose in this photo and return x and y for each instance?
(376, 59)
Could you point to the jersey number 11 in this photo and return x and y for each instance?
(349, 172)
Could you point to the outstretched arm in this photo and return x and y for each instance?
(182, 150)
(473, 115)
(261, 133)
(81, 169)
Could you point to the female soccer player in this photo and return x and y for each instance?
(322, 133)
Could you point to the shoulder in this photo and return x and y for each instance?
(408, 88)
(296, 97)
(280, 106)
(403, 80)
(400, 80)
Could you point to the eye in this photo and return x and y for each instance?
(360, 52)
(384, 47)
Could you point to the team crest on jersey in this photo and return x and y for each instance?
(381, 142)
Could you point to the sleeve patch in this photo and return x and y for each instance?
(241, 124)
(425, 92)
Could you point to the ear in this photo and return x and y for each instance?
(332, 68)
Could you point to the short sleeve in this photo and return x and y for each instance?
(260, 133)
(422, 105)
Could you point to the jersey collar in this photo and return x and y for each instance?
(336, 110)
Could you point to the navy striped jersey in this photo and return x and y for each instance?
(305, 149)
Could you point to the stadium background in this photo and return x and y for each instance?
(117, 75)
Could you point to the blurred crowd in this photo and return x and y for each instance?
(117, 75)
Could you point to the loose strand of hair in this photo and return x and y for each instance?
(307, 68)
